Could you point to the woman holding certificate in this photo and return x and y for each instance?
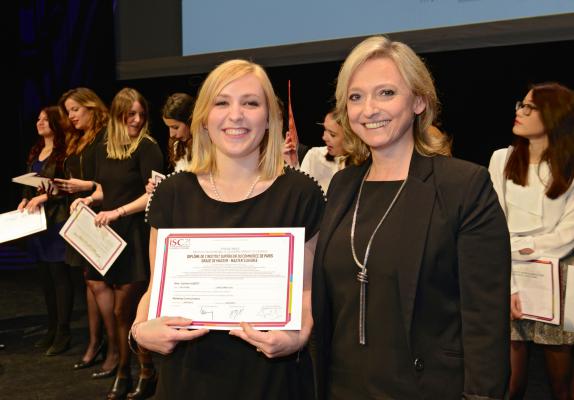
(123, 165)
(237, 179)
(534, 181)
(412, 263)
(46, 158)
(87, 116)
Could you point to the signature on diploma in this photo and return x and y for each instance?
(236, 312)
(268, 312)
(207, 310)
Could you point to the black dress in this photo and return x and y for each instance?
(122, 182)
(381, 369)
(81, 166)
(219, 366)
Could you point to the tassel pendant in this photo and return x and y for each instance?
(363, 280)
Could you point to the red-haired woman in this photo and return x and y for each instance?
(46, 158)
(533, 179)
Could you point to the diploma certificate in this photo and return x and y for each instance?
(99, 245)
(16, 224)
(539, 289)
(221, 277)
(36, 181)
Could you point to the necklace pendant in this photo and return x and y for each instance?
(362, 276)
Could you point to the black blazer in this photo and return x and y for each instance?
(453, 258)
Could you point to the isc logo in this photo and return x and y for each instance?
(179, 243)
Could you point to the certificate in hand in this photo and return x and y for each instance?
(99, 245)
(16, 224)
(538, 289)
(35, 180)
(222, 277)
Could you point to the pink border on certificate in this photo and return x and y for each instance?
(75, 246)
(289, 284)
(549, 263)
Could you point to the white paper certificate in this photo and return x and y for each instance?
(16, 224)
(99, 245)
(221, 277)
(539, 289)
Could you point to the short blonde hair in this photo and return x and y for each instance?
(119, 144)
(203, 151)
(418, 79)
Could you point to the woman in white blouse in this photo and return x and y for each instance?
(533, 179)
(323, 162)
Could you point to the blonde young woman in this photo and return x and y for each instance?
(236, 179)
(124, 163)
(87, 119)
(412, 264)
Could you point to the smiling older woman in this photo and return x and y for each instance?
(412, 263)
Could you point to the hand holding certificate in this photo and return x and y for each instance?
(100, 245)
(16, 224)
(221, 277)
(538, 289)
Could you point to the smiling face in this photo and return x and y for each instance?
(43, 125)
(238, 118)
(79, 116)
(381, 107)
(135, 119)
(529, 126)
(333, 136)
(177, 129)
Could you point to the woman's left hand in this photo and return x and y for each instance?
(271, 343)
(72, 185)
(526, 251)
(106, 217)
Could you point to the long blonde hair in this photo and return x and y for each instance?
(119, 144)
(418, 79)
(203, 158)
(76, 141)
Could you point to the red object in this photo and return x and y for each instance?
(292, 128)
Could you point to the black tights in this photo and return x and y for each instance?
(56, 282)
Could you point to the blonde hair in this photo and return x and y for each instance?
(418, 79)
(203, 158)
(119, 144)
(99, 118)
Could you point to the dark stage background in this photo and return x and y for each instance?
(65, 44)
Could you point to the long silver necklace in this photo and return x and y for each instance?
(362, 274)
(218, 196)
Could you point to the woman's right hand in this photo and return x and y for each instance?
(163, 334)
(290, 151)
(86, 200)
(72, 185)
(22, 205)
(515, 307)
(150, 187)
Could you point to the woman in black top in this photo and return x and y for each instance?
(123, 164)
(237, 179)
(87, 119)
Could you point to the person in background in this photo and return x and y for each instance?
(534, 181)
(87, 116)
(124, 164)
(176, 115)
(323, 162)
(46, 158)
(237, 179)
(413, 261)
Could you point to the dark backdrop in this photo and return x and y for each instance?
(64, 44)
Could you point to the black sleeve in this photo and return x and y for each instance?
(150, 158)
(160, 205)
(311, 205)
(484, 278)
